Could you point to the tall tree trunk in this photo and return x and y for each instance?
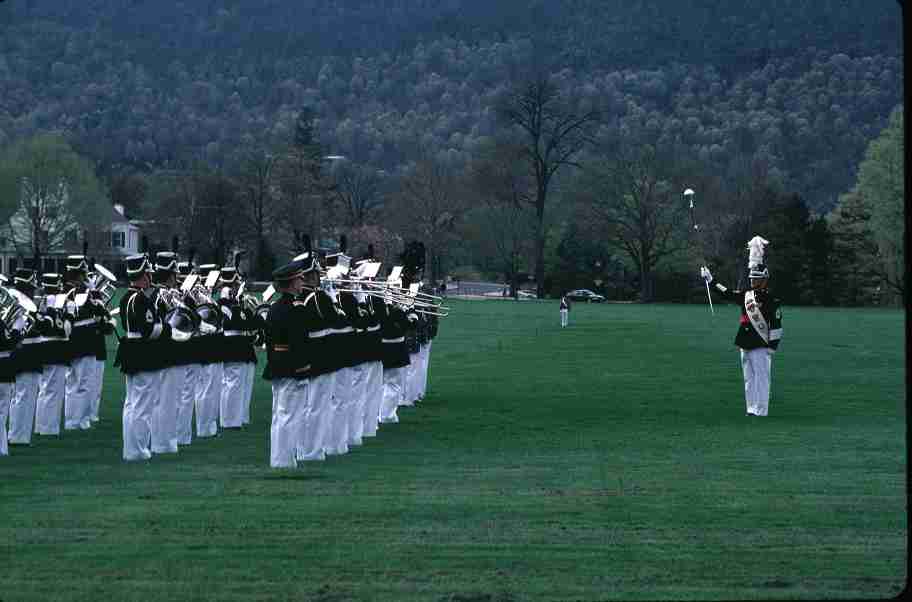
(540, 244)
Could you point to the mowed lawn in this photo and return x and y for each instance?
(608, 460)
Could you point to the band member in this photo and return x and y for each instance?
(564, 311)
(8, 340)
(237, 351)
(373, 351)
(170, 350)
(102, 330)
(191, 366)
(356, 308)
(393, 321)
(53, 326)
(82, 347)
(209, 379)
(288, 353)
(758, 337)
(138, 358)
(28, 366)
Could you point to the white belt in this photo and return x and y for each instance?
(373, 328)
(32, 340)
(316, 334)
(4, 354)
(85, 322)
(399, 340)
(345, 330)
(134, 335)
(235, 333)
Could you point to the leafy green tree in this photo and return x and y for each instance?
(880, 184)
(48, 194)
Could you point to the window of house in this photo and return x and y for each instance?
(118, 240)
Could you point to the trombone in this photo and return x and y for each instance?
(392, 293)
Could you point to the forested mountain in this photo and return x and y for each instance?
(804, 85)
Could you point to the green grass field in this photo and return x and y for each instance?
(611, 460)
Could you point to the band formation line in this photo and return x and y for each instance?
(344, 350)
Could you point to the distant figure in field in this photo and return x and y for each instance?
(564, 311)
(759, 334)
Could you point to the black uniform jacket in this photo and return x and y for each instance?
(357, 350)
(83, 339)
(747, 337)
(7, 363)
(53, 346)
(237, 345)
(288, 347)
(141, 348)
(26, 356)
(393, 323)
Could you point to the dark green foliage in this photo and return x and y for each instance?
(804, 84)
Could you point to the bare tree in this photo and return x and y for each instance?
(357, 192)
(552, 134)
(257, 187)
(429, 203)
(506, 223)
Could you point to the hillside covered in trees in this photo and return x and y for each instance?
(804, 84)
(212, 122)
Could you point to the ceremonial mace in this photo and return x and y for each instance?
(689, 197)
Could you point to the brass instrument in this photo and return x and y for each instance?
(17, 311)
(104, 282)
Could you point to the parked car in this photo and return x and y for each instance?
(584, 294)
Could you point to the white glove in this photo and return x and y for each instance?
(705, 273)
(207, 328)
(361, 297)
(770, 350)
(179, 335)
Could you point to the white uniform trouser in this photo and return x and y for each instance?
(392, 393)
(374, 398)
(756, 365)
(49, 404)
(208, 395)
(408, 385)
(231, 402)
(425, 362)
(565, 317)
(249, 376)
(164, 417)
(77, 409)
(359, 402)
(98, 386)
(143, 393)
(289, 411)
(186, 403)
(336, 441)
(6, 397)
(311, 436)
(22, 407)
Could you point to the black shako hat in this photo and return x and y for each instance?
(137, 265)
(298, 266)
(228, 274)
(26, 276)
(52, 282)
(76, 263)
(166, 261)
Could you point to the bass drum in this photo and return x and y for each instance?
(210, 314)
(183, 322)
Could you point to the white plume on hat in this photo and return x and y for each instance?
(757, 248)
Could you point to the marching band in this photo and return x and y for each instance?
(343, 350)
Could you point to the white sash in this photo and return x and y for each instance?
(755, 316)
